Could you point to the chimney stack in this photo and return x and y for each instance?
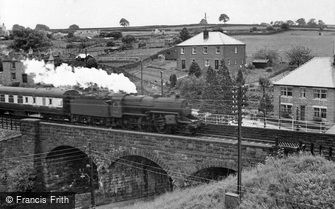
(206, 34)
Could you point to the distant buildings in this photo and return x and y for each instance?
(86, 33)
(12, 73)
(308, 92)
(3, 31)
(208, 49)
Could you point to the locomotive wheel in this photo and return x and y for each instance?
(159, 124)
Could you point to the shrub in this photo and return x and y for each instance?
(253, 29)
(128, 39)
(250, 66)
(270, 28)
(110, 44)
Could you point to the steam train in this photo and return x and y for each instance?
(123, 111)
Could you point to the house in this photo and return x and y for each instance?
(208, 48)
(308, 92)
(12, 73)
(261, 63)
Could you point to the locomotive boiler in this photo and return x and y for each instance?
(123, 111)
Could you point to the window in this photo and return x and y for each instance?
(182, 50)
(43, 101)
(50, 101)
(320, 112)
(303, 92)
(205, 50)
(183, 64)
(11, 99)
(34, 100)
(13, 65)
(13, 76)
(194, 51)
(320, 93)
(20, 99)
(228, 62)
(217, 50)
(26, 99)
(286, 91)
(206, 63)
(24, 78)
(2, 98)
(235, 49)
(216, 64)
(286, 110)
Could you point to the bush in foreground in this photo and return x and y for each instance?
(295, 182)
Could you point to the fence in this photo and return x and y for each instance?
(270, 123)
(10, 122)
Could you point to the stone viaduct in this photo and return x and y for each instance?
(126, 164)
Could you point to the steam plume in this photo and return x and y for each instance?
(65, 75)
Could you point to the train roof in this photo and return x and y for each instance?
(49, 92)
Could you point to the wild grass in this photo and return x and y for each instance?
(302, 181)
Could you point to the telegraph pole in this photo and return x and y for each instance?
(161, 83)
(141, 76)
(239, 147)
(91, 176)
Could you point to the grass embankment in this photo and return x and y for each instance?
(294, 182)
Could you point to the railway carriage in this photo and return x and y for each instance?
(144, 113)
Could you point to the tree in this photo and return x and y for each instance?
(191, 88)
(203, 22)
(173, 80)
(290, 22)
(285, 26)
(298, 55)
(217, 93)
(265, 104)
(27, 38)
(110, 44)
(124, 22)
(224, 18)
(301, 22)
(322, 25)
(194, 70)
(278, 23)
(42, 27)
(128, 39)
(269, 54)
(312, 22)
(184, 34)
(74, 27)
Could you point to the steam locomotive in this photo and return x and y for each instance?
(123, 111)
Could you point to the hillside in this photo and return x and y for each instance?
(295, 182)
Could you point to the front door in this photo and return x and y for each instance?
(302, 112)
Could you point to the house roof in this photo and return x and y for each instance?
(318, 72)
(214, 38)
(260, 61)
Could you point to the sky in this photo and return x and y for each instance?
(107, 13)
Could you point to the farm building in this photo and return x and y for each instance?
(208, 48)
(308, 92)
(261, 63)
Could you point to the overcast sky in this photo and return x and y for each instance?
(107, 13)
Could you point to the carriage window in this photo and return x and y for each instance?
(20, 99)
(26, 99)
(43, 101)
(50, 101)
(11, 99)
(2, 98)
(34, 100)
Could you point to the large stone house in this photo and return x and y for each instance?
(308, 92)
(208, 49)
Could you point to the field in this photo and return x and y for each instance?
(282, 42)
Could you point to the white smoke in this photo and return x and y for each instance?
(65, 75)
